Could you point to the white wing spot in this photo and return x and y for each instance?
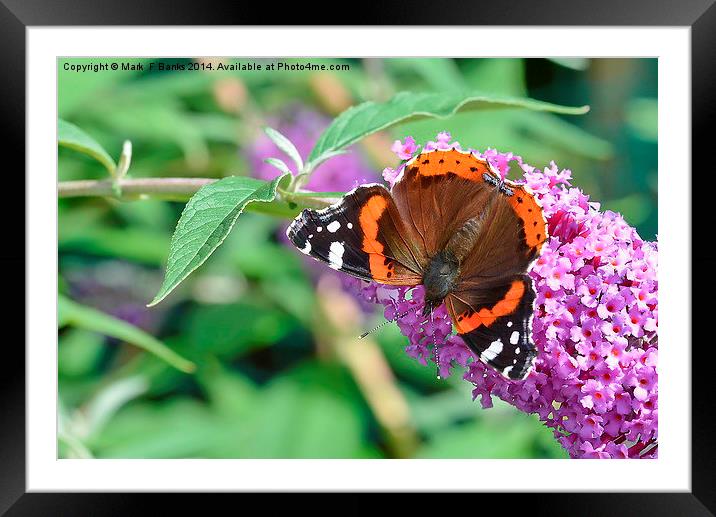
(306, 249)
(514, 338)
(333, 226)
(517, 351)
(492, 351)
(319, 229)
(506, 371)
(335, 255)
(509, 323)
(350, 225)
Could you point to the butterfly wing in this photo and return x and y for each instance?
(525, 206)
(363, 235)
(374, 235)
(495, 321)
(492, 303)
(438, 192)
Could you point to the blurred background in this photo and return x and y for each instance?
(279, 372)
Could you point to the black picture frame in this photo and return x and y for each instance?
(700, 15)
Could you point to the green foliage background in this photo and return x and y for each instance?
(263, 386)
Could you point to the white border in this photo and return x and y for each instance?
(670, 472)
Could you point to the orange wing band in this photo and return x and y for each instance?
(527, 209)
(439, 163)
(369, 216)
(487, 316)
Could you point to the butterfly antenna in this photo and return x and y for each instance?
(364, 334)
(437, 361)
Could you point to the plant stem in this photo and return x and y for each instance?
(306, 193)
(134, 188)
(181, 189)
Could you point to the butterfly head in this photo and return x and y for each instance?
(439, 279)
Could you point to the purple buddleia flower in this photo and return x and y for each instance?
(406, 149)
(595, 324)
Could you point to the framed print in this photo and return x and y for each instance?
(388, 263)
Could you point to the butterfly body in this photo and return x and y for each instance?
(440, 277)
(452, 224)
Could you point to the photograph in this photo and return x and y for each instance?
(357, 258)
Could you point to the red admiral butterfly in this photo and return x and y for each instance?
(453, 225)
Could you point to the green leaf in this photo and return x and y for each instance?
(69, 135)
(81, 316)
(321, 159)
(536, 136)
(369, 117)
(286, 146)
(207, 219)
(279, 164)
